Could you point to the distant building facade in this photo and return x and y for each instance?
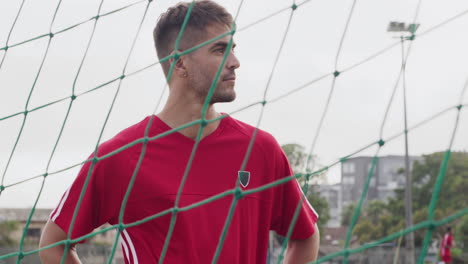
(37, 222)
(388, 176)
(332, 193)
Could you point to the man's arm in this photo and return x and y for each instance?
(53, 233)
(304, 250)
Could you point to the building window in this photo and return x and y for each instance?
(372, 181)
(348, 180)
(349, 167)
(34, 233)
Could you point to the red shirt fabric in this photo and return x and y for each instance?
(445, 246)
(214, 170)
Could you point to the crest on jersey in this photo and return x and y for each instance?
(244, 178)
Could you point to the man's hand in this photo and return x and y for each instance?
(53, 233)
(303, 251)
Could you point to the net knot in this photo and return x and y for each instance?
(95, 160)
(51, 35)
(2, 188)
(176, 56)
(411, 37)
(73, 97)
(336, 73)
(233, 28)
(21, 255)
(238, 194)
(459, 107)
(121, 227)
(203, 123)
(381, 143)
(97, 17)
(26, 112)
(6, 48)
(45, 175)
(294, 6)
(122, 76)
(264, 102)
(145, 140)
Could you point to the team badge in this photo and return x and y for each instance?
(244, 178)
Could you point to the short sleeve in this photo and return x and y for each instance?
(97, 205)
(289, 198)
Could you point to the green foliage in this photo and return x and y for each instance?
(321, 206)
(420, 215)
(347, 214)
(453, 195)
(6, 228)
(298, 158)
(375, 220)
(366, 231)
(379, 219)
(461, 234)
(456, 252)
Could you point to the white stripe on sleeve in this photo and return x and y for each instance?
(132, 247)
(54, 216)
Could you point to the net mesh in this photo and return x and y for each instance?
(237, 193)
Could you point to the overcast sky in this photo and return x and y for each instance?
(435, 75)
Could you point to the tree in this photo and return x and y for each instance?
(366, 231)
(297, 158)
(374, 210)
(320, 205)
(6, 228)
(461, 235)
(374, 220)
(347, 214)
(300, 160)
(389, 217)
(453, 195)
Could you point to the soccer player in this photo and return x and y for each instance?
(216, 168)
(445, 245)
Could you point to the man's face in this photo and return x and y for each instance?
(203, 64)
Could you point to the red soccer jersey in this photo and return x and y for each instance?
(214, 170)
(445, 246)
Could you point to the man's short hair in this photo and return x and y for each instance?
(204, 13)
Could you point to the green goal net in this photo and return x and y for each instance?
(34, 62)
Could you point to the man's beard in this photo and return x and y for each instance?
(220, 95)
(223, 96)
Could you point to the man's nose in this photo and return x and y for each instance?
(232, 62)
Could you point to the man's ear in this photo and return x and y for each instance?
(179, 66)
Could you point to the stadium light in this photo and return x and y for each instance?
(395, 26)
(401, 28)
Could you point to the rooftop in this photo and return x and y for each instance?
(22, 214)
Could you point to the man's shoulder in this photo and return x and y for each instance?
(262, 137)
(124, 137)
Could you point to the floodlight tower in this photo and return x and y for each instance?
(404, 29)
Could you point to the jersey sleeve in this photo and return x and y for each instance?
(98, 204)
(288, 199)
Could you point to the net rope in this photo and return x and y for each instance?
(237, 193)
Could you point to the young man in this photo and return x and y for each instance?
(216, 168)
(445, 245)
